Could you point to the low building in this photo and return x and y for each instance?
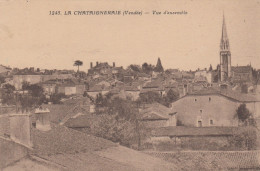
(157, 115)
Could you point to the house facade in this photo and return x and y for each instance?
(205, 109)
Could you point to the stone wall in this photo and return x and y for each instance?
(205, 108)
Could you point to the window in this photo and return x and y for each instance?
(195, 100)
(209, 99)
(211, 122)
(200, 111)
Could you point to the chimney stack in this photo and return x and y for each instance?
(114, 64)
(42, 119)
(20, 129)
(91, 64)
(96, 63)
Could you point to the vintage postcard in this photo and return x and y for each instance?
(129, 85)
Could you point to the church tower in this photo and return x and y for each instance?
(225, 55)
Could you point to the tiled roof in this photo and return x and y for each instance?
(153, 116)
(181, 131)
(98, 88)
(212, 160)
(241, 69)
(63, 140)
(156, 111)
(82, 121)
(227, 93)
(58, 111)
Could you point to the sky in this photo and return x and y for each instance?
(30, 37)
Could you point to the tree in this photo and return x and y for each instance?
(172, 96)
(150, 97)
(78, 63)
(119, 122)
(136, 68)
(243, 114)
(2, 79)
(210, 68)
(147, 68)
(159, 67)
(8, 95)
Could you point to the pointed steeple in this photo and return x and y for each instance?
(224, 43)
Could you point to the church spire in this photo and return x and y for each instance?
(224, 43)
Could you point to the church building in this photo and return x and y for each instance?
(227, 73)
(225, 55)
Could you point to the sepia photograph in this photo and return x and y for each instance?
(148, 85)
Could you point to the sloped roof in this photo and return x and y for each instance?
(58, 111)
(153, 84)
(153, 116)
(212, 160)
(82, 121)
(156, 111)
(234, 95)
(182, 131)
(62, 140)
(241, 69)
(131, 88)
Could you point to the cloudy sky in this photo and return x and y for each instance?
(31, 37)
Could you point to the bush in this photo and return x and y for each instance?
(244, 140)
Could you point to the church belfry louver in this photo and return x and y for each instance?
(225, 55)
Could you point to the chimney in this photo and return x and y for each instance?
(20, 129)
(42, 119)
(91, 64)
(114, 64)
(172, 119)
(96, 63)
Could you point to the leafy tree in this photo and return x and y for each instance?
(25, 85)
(136, 68)
(172, 96)
(56, 98)
(9, 88)
(150, 97)
(78, 63)
(120, 122)
(8, 95)
(244, 140)
(2, 79)
(243, 114)
(147, 68)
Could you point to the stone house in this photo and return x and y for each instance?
(212, 108)
(242, 74)
(132, 92)
(34, 78)
(63, 86)
(204, 74)
(96, 89)
(155, 86)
